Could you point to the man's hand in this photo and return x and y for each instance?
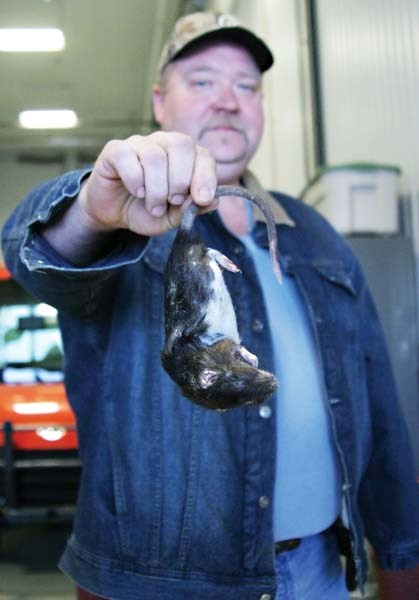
(141, 183)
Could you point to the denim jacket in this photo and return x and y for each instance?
(174, 499)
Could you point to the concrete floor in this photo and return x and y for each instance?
(28, 565)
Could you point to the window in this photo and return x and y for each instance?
(31, 346)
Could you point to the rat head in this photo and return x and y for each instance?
(225, 375)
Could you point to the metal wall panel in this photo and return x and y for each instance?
(369, 66)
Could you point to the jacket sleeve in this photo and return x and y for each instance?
(389, 494)
(41, 270)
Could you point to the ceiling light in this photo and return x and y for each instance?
(31, 40)
(48, 119)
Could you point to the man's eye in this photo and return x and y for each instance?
(247, 87)
(201, 83)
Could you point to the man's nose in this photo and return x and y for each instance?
(226, 98)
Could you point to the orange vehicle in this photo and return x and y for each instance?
(39, 464)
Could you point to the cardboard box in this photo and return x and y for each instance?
(357, 197)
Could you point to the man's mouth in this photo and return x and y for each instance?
(221, 129)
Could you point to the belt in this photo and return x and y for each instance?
(285, 545)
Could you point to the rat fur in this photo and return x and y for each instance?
(203, 353)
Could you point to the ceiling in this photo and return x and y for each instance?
(105, 72)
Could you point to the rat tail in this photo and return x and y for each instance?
(189, 217)
(230, 190)
(227, 190)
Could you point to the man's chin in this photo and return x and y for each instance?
(230, 170)
(230, 156)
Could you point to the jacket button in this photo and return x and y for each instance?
(257, 326)
(265, 597)
(238, 249)
(264, 502)
(265, 411)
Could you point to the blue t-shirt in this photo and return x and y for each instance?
(307, 483)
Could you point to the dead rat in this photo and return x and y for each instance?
(203, 353)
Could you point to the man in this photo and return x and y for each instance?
(178, 502)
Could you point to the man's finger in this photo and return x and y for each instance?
(204, 179)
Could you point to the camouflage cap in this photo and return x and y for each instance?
(200, 26)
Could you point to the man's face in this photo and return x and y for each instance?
(214, 95)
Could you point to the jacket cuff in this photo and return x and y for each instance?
(38, 255)
(398, 561)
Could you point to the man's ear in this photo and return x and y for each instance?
(158, 101)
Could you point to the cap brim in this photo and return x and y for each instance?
(256, 47)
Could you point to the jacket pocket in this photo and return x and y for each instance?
(338, 274)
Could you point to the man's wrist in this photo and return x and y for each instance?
(83, 218)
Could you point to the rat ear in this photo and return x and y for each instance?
(207, 378)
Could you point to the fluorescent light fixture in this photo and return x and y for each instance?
(48, 119)
(31, 40)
